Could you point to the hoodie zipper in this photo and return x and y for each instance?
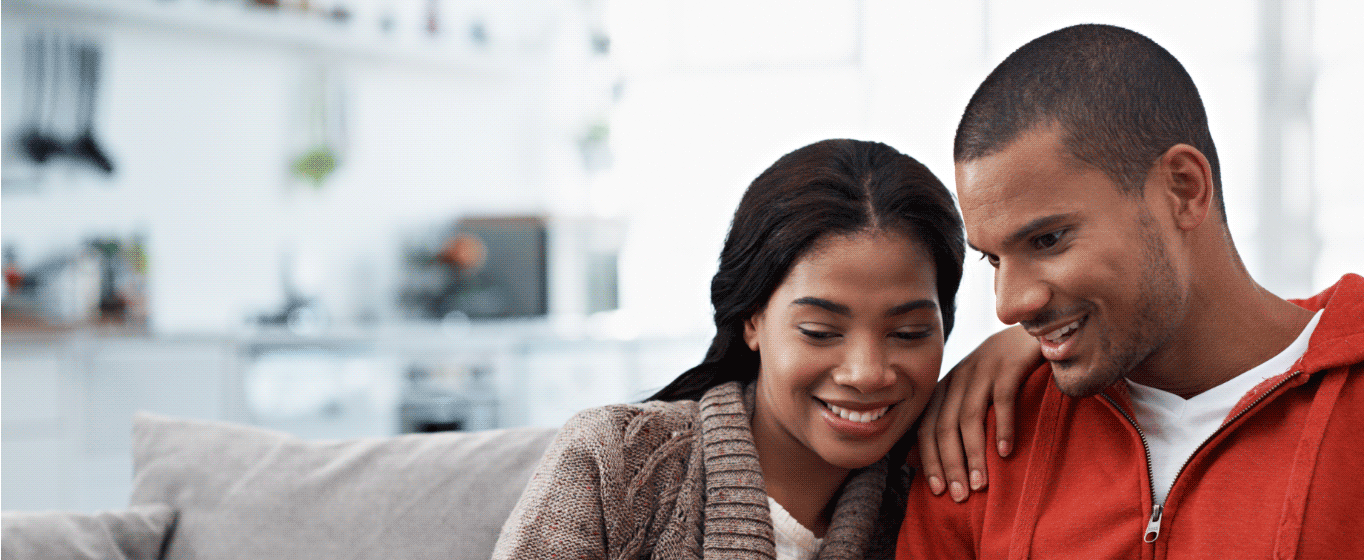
(1152, 526)
(1158, 510)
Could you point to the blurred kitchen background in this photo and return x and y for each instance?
(346, 218)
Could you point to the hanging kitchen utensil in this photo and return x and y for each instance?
(323, 126)
(85, 146)
(37, 141)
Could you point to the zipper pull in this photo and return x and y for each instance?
(1153, 526)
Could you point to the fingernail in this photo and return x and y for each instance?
(977, 480)
(1004, 448)
(935, 485)
(958, 492)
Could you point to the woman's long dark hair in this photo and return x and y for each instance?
(831, 187)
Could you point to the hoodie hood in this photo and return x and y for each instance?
(1339, 338)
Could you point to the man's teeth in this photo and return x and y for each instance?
(859, 417)
(1055, 335)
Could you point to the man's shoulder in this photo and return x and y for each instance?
(1339, 336)
(1036, 387)
(1039, 398)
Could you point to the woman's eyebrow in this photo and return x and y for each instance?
(824, 304)
(912, 306)
(845, 311)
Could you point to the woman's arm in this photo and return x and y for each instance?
(953, 425)
(560, 512)
(608, 485)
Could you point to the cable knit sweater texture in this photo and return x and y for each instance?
(679, 480)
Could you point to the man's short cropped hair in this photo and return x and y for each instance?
(1120, 100)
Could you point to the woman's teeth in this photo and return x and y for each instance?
(1056, 335)
(859, 417)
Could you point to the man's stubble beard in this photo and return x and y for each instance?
(1151, 327)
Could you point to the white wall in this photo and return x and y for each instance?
(710, 103)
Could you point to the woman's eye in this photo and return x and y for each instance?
(817, 335)
(1048, 240)
(912, 335)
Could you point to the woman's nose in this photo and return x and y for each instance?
(866, 368)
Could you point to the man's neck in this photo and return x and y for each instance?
(1229, 329)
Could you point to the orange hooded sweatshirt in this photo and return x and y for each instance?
(1282, 478)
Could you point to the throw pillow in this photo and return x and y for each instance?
(131, 534)
(245, 492)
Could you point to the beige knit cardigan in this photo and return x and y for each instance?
(678, 480)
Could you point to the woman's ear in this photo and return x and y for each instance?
(751, 326)
(1183, 178)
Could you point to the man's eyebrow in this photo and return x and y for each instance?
(1029, 229)
(843, 310)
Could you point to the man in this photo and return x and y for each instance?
(1184, 411)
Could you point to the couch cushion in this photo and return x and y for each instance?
(134, 533)
(244, 492)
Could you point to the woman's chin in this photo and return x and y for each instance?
(862, 456)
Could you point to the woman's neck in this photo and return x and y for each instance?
(796, 477)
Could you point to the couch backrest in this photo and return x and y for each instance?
(244, 492)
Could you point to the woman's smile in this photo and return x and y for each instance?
(862, 414)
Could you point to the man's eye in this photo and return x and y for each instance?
(1048, 240)
(993, 260)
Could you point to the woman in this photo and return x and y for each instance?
(834, 296)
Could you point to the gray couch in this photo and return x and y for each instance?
(212, 490)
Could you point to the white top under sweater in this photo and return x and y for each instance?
(794, 541)
(1174, 427)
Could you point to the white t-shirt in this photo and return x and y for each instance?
(1175, 427)
(794, 541)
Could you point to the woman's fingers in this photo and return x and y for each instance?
(1004, 418)
(1024, 358)
(972, 424)
(928, 445)
(953, 435)
(948, 436)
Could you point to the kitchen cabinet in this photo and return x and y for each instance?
(40, 423)
(68, 405)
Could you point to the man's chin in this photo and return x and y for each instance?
(1076, 381)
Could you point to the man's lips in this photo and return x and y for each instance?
(1053, 330)
(1056, 335)
(1058, 339)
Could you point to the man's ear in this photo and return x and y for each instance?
(1183, 179)
(751, 330)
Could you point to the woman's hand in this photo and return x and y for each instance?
(953, 425)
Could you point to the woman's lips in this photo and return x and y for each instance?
(858, 416)
(857, 422)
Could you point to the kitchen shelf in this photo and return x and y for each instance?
(279, 27)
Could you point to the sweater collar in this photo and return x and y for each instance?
(736, 510)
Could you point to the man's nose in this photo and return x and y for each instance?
(1019, 294)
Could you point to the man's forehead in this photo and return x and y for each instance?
(1037, 150)
(1032, 178)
